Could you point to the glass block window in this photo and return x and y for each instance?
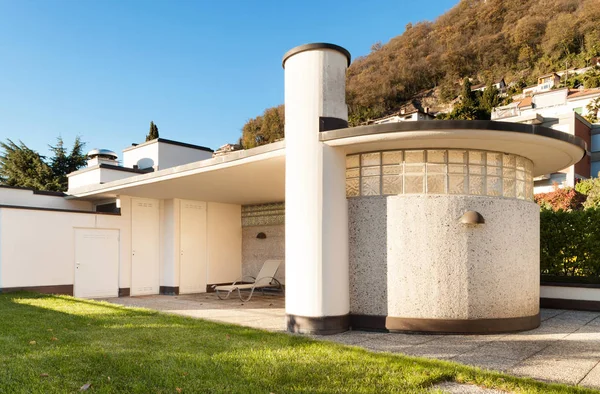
(439, 171)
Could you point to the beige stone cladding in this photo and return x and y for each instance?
(269, 220)
(438, 268)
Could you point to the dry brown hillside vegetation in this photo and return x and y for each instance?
(479, 39)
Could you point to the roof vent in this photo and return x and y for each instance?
(102, 156)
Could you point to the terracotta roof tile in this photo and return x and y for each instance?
(526, 102)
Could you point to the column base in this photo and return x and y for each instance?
(324, 325)
(445, 326)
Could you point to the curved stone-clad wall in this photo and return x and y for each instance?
(457, 271)
(415, 267)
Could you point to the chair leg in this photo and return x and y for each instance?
(226, 297)
(247, 299)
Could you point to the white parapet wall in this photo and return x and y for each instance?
(30, 198)
(161, 153)
(577, 296)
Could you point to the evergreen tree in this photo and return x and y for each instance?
(23, 167)
(467, 98)
(153, 133)
(490, 98)
(63, 163)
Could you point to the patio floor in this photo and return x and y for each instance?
(565, 348)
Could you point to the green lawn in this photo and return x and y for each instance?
(58, 344)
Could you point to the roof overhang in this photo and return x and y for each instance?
(250, 176)
(549, 150)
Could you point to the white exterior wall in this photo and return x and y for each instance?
(97, 176)
(316, 218)
(161, 155)
(145, 156)
(85, 178)
(170, 155)
(570, 293)
(38, 247)
(170, 230)
(27, 198)
(224, 231)
(108, 175)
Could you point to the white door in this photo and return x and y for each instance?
(145, 239)
(192, 277)
(96, 263)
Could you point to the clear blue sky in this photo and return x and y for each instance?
(104, 69)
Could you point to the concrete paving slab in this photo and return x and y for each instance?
(578, 316)
(546, 314)
(486, 361)
(557, 371)
(592, 379)
(440, 350)
(507, 349)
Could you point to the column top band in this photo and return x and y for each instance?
(311, 47)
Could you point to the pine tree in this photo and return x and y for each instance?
(490, 98)
(153, 133)
(468, 98)
(63, 164)
(24, 167)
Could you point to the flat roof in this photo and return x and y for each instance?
(550, 150)
(170, 142)
(251, 176)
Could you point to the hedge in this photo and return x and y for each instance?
(570, 243)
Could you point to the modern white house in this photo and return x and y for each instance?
(403, 226)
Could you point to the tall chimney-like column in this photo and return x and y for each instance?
(316, 218)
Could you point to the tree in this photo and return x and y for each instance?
(490, 98)
(23, 167)
(593, 109)
(63, 163)
(509, 38)
(264, 129)
(153, 133)
(566, 199)
(467, 96)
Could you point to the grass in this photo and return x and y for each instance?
(57, 344)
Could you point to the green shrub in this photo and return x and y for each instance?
(570, 242)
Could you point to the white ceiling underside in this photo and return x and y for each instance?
(252, 180)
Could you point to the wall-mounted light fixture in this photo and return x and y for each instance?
(472, 217)
(261, 235)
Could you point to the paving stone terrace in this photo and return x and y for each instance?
(564, 349)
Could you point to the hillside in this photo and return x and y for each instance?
(479, 39)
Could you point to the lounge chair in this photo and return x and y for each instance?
(265, 279)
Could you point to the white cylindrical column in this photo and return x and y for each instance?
(316, 214)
